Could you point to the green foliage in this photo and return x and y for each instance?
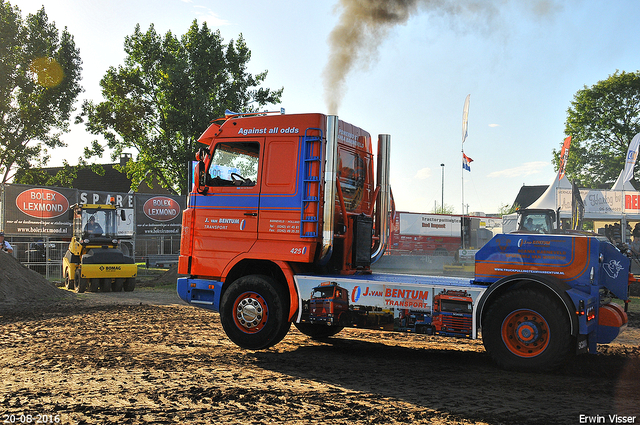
(602, 120)
(39, 82)
(166, 93)
(506, 209)
(443, 209)
(63, 177)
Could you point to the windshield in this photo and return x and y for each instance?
(537, 223)
(457, 306)
(322, 292)
(99, 224)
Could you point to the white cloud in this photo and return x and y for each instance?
(494, 125)
(525, 169)
(212, 19)
(423, 174)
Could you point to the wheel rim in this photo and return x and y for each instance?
(525, 333)
(250, 312)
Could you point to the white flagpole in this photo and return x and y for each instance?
(465, 117)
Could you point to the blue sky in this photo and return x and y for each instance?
(521, 62)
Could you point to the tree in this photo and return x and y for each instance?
(40, 73)
(440, 209)
(164, 96)
(506, 209)
(602, 120)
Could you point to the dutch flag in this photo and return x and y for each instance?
(466, 161)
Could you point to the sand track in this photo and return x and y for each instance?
(146, 357)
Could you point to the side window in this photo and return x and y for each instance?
(351, 172)
(234, 164)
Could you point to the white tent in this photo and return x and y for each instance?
(548, 199)
(619, 186)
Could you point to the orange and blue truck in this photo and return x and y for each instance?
(284, 203)
(329, 305)
(452, 313)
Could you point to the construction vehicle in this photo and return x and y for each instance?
(94, 260)
(282, 203)
(415, 321)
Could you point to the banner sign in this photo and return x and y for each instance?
(44, 211)
(429, 225)
(159, 214)
(120, 200)
(37, 211)
(597, 202)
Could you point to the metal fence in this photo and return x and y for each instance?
(42, 257)
(45, 255)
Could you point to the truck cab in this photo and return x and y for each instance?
(538, 221)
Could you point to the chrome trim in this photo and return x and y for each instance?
(329, 199)
(384, 203)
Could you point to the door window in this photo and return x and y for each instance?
(234, 164)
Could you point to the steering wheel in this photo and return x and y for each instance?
(237, 178)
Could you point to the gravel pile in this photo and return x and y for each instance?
(20, 284)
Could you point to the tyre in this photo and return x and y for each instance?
(105, 284)
(94, 284)
(316, 331)
(117, 285)
(527, 330)
(68, 283)
(80, 283)
(253, 312)
(130, 284)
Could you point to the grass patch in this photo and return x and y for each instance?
(634, 304)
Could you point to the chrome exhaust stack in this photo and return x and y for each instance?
(384, 197)
(329, 199)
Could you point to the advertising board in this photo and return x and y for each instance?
(159, 214)
(37, 211)
(34, 211)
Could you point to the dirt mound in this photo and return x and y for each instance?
(168, 277)
(19, 284)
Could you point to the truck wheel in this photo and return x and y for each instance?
(253, 312)
(130, 284)
(527, 330)
(317, 331)
(80, 283)
(105, 284)
(118, 284)
(94, 284)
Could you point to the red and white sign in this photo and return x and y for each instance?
(161, 208)
(42, 203)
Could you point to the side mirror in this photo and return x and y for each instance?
(201, 178)
(123, 215)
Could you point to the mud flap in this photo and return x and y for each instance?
(582, 345)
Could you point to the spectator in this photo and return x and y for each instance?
(635, 247)
(4, 245)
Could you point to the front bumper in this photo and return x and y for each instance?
(200, 292)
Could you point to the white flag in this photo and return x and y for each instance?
(632, 154)
(465, 117)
